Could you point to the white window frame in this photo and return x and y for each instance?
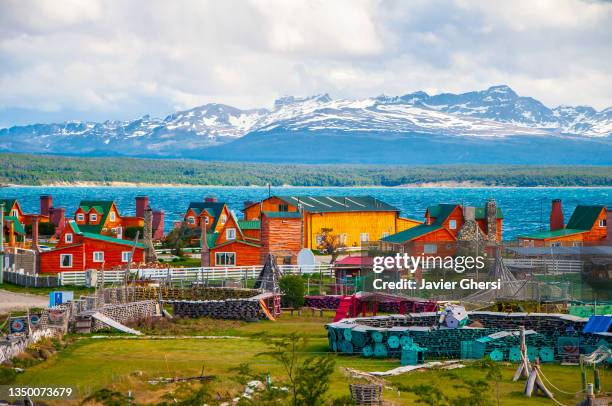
(364, 237)
(120, 233)
(15, 213)
(62, 256)
(190, 220)
(93, 217)
(68, 238)
(223, 219)
(98, 259)
(112, 216)
(577, 244)
(125, 256)
(225, 255)
(230, 234)
(556, 244)
(80, 217)
(343, 238)
(430, 248)
(452, 224)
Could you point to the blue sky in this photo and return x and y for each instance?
(97, 60)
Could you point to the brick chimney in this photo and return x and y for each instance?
(35, 220)
(158, 224)
(210, 199)
(205, 254)
(491, 216)
(142, 202)
(556, 216)
(147, 239)
(46, 202)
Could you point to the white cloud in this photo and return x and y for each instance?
(120, 59)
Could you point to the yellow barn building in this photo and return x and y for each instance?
(356, 219)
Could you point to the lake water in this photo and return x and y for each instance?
(525, 209)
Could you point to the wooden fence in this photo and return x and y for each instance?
(31, 280)
(79, 278)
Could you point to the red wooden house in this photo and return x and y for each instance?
(78, 250)
(103, 217)
(445, 224)
(248, 242)
(588, 225)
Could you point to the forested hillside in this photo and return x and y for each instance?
(44, 170)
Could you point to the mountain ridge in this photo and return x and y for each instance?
(497, 112)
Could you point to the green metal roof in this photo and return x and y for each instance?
(17, 226)
(210, 239)
(325, 204)
(283, 214)
(411, 234)
(249, 224)
(95, 236)
(8, 204)
(102, 206)
(551, 234)
(441, 212)
(212, 208)
(584, 217)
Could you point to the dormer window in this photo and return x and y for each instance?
(206, 220)
(68, 238)
(190, 220)
(80, 217)
(112, 216)
(93, 217)
(230, 234)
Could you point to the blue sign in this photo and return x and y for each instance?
(60, 297)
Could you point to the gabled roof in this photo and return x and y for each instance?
(327, 204)
(584, 217)
(102, 207)
(249, 224)
(17, 226)
(8, 204)
(441, 212)
(214, 209)
(411, 233)
(94, 236)
(545, 235)
(251, 243)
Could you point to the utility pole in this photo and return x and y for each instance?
(1, 243)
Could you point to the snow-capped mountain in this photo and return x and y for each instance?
(497, 112)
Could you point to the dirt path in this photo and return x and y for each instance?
(20, 301)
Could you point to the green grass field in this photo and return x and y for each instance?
(127, 364)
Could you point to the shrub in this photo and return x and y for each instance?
(130, 232)
(293, 290)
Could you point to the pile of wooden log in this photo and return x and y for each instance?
(231, 309)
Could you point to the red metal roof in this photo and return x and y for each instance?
(356, 260)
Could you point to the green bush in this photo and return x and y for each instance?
(7, 375)
(293, 290)
(43, 228)
(130, 232)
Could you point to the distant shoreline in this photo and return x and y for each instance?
(427, 185)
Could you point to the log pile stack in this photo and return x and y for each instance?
(138, 293)
(230, 309)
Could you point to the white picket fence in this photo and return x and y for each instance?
(194, 274)
(547, 265)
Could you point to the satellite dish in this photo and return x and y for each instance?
(306, 258)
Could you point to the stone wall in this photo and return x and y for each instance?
(127, 312)
(137, 293)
